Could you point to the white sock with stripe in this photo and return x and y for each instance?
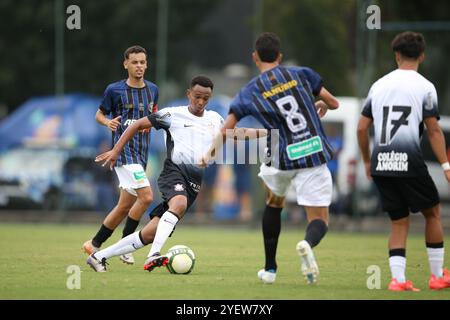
(398, 266)
(128, 244)
(436, 260)
(165, 227)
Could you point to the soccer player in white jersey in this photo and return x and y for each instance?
(190, 131)
(398, 106)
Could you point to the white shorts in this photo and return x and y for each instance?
(131, 177)
(313, 186)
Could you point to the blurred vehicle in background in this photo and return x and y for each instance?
(48, 179)
(47, 154)
(434, 167)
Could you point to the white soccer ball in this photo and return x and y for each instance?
(181, 259)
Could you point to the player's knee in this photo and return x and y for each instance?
(146, 199)
(432, 213)
(124, 208)
(178, 206)
(275, 201)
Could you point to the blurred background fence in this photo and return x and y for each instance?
(54, 69)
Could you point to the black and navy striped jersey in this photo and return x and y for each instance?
(283, 98)
(131, 104)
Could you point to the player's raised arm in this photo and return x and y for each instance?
(111, 156)
(328, 98)
(246, 133)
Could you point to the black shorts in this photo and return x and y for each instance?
(173, 182)
(399, 196)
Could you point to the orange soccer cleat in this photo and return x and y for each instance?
(89, 248)
(394, 285)
(440, 283)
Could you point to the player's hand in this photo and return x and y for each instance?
(113, 124)
(367, 169)
(321, 107)
(108, 156)
(203, 162)
(447, 175)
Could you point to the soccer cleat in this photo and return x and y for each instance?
(156, 260)
(394, 285)
(97, 265)
(308, 263)
(267, 277)
(89, 248)
(443, 282)
(127, 258)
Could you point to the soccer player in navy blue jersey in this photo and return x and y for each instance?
(125, 102)
(283, 98)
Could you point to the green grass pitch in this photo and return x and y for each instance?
(35, 257)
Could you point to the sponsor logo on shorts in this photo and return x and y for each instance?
(139, 175)
(194, 186)
(178, 187)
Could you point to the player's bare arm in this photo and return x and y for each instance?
(230, 123)
(437, 141)
(364, 143)
(111, 156)
(112, 124)
(246, 133)
(328, 99)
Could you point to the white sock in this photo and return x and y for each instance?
(165, 227)
(398, 266)
(130, 243)
(436, 260)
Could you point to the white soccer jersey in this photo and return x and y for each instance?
(398, 103)
(188, 137)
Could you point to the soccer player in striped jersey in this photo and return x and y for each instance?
(283, 98)
(398, 106)
(126, 101)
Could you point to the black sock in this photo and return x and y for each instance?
(271, 225)
(401, 252)
(437, 245)
(102, 235)
(130, 226)
(315, 231)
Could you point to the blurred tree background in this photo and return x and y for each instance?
(207, 36)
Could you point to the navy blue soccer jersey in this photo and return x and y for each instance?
(283, 98)
(131, 104)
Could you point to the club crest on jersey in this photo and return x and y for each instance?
(178, 187)
(150, 106)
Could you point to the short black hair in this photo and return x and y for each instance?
(409, 44)
(203, 81)
(134, 49)
(268, 46)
